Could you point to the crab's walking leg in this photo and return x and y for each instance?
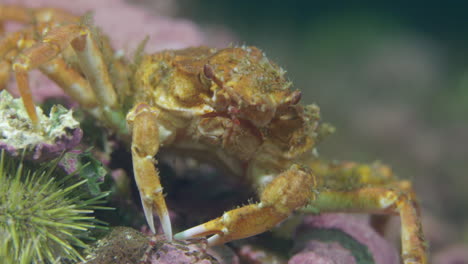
(22, 14)
(52, 44)
(371, 189)
(83, 39)
(57, 69)
(9, 45)
(380, 200)
(15, 13)
(292, 189)
(4, 74)
(143, 121)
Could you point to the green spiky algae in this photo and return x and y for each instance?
(43, 218)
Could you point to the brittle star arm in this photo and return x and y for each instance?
(143, 122)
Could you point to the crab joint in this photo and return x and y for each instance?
(145, 145)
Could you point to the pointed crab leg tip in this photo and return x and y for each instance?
(166, 225)
(191, 233)
(214, 240)
(179, 236)
(148, 209)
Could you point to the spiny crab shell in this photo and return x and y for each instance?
(248, 85)
(235, 88)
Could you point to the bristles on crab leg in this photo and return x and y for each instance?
(156, 201)
(143, 120)
(276, 204)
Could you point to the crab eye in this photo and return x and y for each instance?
(210, 75)
(205, 81)
(295, 97)
(208, 71)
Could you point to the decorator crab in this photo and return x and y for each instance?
(233, 104)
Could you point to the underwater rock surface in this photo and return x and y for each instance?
(323, 253)
(126, 245)
(59, 131)
(454, 254)
(324, 238)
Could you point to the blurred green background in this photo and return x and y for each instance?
(391, 76)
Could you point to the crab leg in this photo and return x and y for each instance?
(4, 74)
(287, 192)
(57, 69)
(143, 121)
(27, 15)
(70, 81)
(10, 44)
(52, 44)
(15, 13)
(91, 63)
(380, 200)
(375, 191)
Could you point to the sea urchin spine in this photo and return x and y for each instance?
(42, 215)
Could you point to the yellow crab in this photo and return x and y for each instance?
(233, 104)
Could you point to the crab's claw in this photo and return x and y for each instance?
(155, 200)
(142, 119)
(236, 224)
(287, 192)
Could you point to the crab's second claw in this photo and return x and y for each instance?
(148, 209)
(143, 120)
(287, 192)
(235, 224)
(156, 200)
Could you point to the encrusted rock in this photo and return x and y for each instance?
(178, 252)
(319, 252)
(123, 245)
(454, 254)
(351, 233)
(126, 245)
(57, 133)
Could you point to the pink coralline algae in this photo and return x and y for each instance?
(314, 251)
(254, 255)
(127, 245)
(323, 253)
(455, 254)
(179, 252)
